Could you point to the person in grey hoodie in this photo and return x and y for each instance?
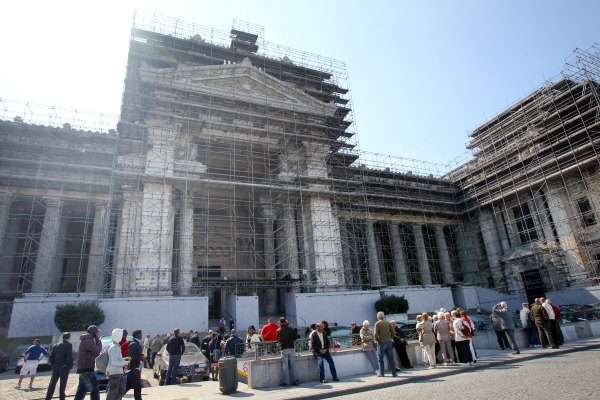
(508, 325)
(116, 376)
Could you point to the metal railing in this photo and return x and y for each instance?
(260, 350)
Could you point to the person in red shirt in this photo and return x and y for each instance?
(269, 331)
(124, 344)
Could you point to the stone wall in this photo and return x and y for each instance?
(302, 309)
(33, 315)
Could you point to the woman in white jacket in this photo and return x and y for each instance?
(116, 377)
(462, 337)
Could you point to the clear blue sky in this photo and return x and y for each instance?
(422, 73)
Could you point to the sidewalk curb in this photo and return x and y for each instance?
(391, 383)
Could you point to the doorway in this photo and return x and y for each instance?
(534, 284)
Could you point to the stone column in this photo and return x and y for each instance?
(346, 258)
(46, 274)
(557, 201)
(465, 254)
(291, 240)
(543, 218)
(492, 246)
(354, 277)
(154, 268)
(270, 300)
(440, 240)
(422, 255)
(5, 205)
(400, 266)
(374, 268)
(127, 241)
(93, 280)
(186, 237)
(8, 243)
(500, 227)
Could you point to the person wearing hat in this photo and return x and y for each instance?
(89, 348)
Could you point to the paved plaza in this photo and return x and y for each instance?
(496, 371)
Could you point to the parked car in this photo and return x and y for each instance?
(194, 365)
(4, 358)
(44, 364)
(341, 336)
(577, 312)
(101, 376)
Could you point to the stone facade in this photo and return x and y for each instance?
(235, 172)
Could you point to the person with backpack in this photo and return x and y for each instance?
(215, 354)
(115, 390)
(462, 337)
(465, 317)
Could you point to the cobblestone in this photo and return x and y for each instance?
(569, 376)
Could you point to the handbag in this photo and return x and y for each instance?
(466, 330)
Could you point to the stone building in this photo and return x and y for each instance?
(234, 169)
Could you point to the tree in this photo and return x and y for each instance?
(77, 317)
(392, 305)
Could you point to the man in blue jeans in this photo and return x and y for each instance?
(286, 337)
(175, 348)
(89, 348)
(383, 334)
(320, 346)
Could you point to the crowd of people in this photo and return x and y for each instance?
(445, 337)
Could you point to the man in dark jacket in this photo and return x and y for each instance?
(540, 318)
(196, 338)
(320, 345)
(61, 359)
(89, 348)
(175, 348)
(286, 337)
(204, 345)
(234, 345)
(135, 351)
(400, 345)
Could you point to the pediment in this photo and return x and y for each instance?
(524, 251)
(246, 82)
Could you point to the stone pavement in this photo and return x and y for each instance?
(311, 390)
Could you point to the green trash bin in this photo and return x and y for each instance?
(228, 382)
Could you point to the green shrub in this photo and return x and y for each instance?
(77, 317)
(392, 305)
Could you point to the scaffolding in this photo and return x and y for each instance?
(234, 167)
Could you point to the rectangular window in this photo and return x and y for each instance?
(209, 271)
(586, 211)
(525, 224)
